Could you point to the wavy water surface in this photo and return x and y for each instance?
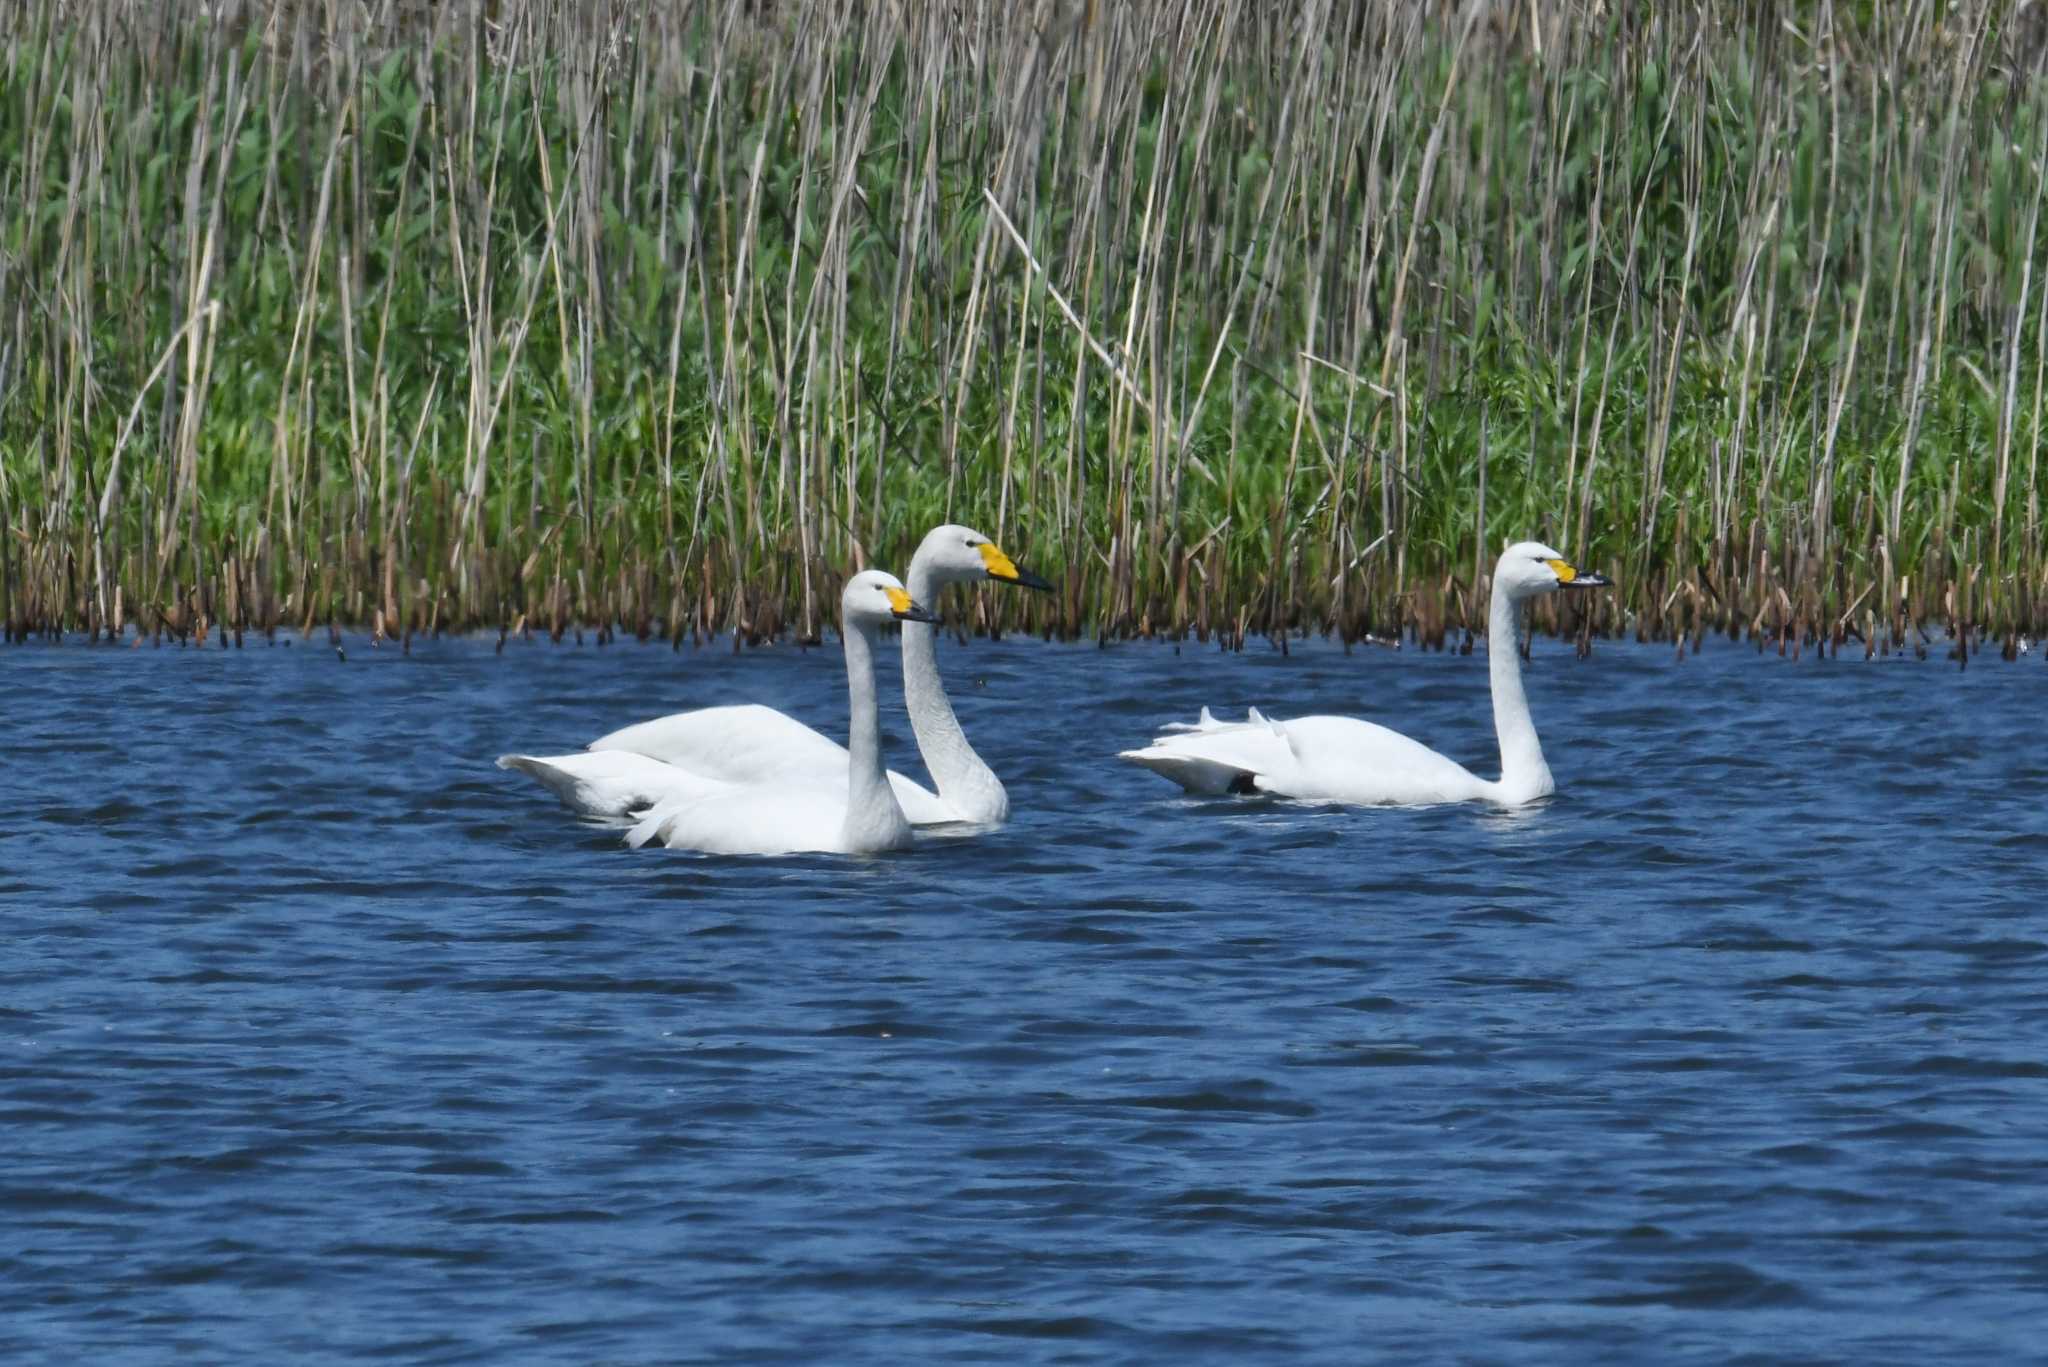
(322, 1039)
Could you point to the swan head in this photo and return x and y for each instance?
(1528, 569)
(875, 598)
(961, 555)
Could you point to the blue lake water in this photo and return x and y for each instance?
(323, 1039)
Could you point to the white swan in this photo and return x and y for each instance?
(640, 766)
(861, 816)
(1340, 759)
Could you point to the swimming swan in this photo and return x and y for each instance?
(1340, 759)
(860, 817)
(637, 767)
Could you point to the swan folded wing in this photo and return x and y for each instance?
(740, 743)
(753, 745)
(759, 819)
(612, 785)
(1343, 759)
(1212, 757)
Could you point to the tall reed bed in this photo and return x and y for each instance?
(1236, 317)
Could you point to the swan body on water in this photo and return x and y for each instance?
(1342, 759)
(774, 816)
(628, 771)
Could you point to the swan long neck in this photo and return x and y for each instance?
(1523, 773)
(963, 780)
(874, 820)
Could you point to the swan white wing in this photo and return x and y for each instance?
(1342, 759)
(741, 743)
(762, 819)
(612, 784)
(753, 745)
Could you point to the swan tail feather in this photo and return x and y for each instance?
(649, 826)
(608, 786)
(1195, 773)
(1206, 723)
(564, 784)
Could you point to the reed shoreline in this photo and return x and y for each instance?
(1237, 320)
(1920, 643)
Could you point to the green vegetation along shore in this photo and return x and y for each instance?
(1230, 316)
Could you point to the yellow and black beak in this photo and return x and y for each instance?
(1001, 567)
(906, 609)
(1571, 577)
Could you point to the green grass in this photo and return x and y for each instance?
(664, 320)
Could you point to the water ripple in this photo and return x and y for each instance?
(322, 1039)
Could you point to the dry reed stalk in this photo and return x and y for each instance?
(731, 299)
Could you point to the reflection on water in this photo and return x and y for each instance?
(323, 1037)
